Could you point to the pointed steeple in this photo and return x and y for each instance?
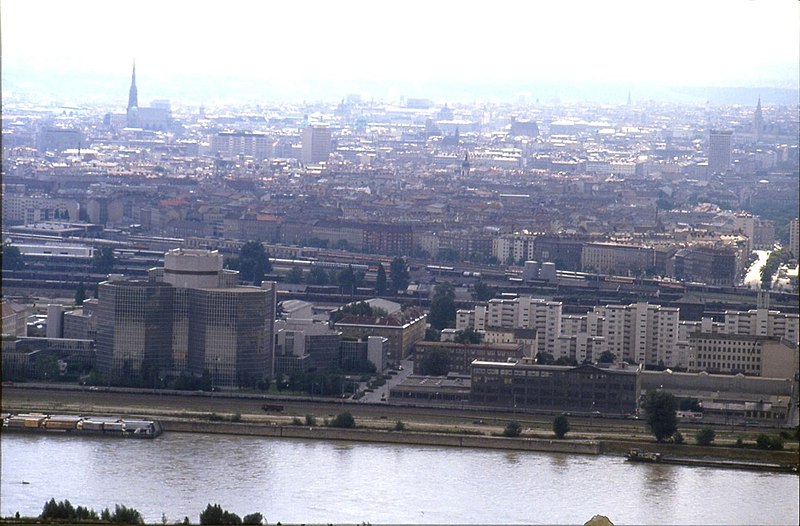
(758, 122)
(133, 94)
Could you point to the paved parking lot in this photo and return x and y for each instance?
(381, 394)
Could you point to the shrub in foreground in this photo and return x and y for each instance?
(705, 437)
(560, 426)
(513, 429)
(344, 420)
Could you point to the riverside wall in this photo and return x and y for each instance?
(621, 447)
(389, 437)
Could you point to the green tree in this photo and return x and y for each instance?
(765, 441)
(560, 426)
(565, 360)
(347, 281)
(344, 420)
(468, 335)
(545, 358)
(435, 362)
(776, 259)
(295, 275)
(399, 274)
(80, 294)
(513, 429)
(380, 280)
(432, 335)
(317, 276)
(216, 515)
(253, 263)
(483, 292)
(253, 518)
(124, 515)
(607, 357)
(662, 419)
(104, 260)
(443, 306)
(12, 258)
(705, 436)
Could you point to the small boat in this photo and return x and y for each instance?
(637, 455)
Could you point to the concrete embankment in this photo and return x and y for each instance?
(389, 437)
(621, 447)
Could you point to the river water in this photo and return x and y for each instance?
(297, 481)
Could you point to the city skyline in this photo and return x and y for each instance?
(312, 50)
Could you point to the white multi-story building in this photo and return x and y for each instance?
(231, 144)
(34, 209)
(611, 258)
(580, 346)
(521, 313)
(763, 322)
(516, 247)
(794, 237)
(316, 144)
(644, 333)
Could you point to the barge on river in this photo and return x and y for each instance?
(82, 425)
(637, 455)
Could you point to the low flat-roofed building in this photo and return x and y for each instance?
(730, 399)
(461, 355)
(402, 332)
(742, 353)
(32, 356)
(14, 319)
(450, 389)
(585, 388)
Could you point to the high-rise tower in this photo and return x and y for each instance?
(133, 94)
(316, 144)
(719, 151)
(758, 122)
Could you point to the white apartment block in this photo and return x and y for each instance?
(580, 346)
(763, 322)
(230, 145)
(34, 209)
(705, 325)
(518, 247)
(644, 333)
(794, 237)
(641, 332)
(519, 313)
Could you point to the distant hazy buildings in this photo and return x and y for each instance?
(156, 117)
(719, 151)
(231, 145)
(59, 139)
(316, 144)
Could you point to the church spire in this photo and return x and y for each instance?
(758, 122)
(133, 94)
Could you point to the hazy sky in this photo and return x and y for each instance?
(677, 42)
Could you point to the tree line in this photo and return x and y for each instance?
(65, 512)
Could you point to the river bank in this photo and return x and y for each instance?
(376, 423)
(455, 439)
